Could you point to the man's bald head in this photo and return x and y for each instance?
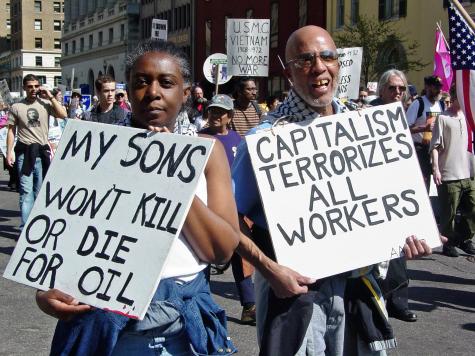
(312, 67)
(303, 36)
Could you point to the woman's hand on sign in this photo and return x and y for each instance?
(59, 305)
(286, 282)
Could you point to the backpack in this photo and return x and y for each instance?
(421, 106)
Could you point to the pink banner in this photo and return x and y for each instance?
(442, 65)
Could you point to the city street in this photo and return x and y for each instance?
(442, 293)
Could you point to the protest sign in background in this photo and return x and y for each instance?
(3, 140)
(5, 92)
(160, 29)
(210, 66)
(352, 188)
(350, 60)
(109, 209)
(85, 99)
(248, 47)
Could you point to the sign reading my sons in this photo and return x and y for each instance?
(114, 200)
(352, 188)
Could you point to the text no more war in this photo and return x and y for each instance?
(338, 148)
(41, 261)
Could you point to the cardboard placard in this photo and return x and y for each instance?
(352, 188)
(248, 47)
(113, 201)
(212, 64)
(350, 60)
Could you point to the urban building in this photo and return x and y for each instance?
(5, 40)
(199, 27)
(415, 19)
(35, 41)
(96, 38)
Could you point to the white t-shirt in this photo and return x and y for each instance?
(412, 119)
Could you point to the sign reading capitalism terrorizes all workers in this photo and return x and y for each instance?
(350, 60)
(113, 201)
(352, 188)
(248, 47)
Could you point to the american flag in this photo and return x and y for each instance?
(462, 50)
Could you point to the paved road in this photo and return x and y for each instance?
(442, 292)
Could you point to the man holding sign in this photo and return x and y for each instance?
(310, 313)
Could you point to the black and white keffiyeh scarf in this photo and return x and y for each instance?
(295, 109)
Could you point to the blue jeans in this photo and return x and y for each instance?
(29, 187)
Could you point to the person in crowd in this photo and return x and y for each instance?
(105, 112)
(76, 106)
(247, 112)
(421, 118)
(445, 98)
(272, 103)
(295, 314)
(453, 172)
(198, 104)
(392, 88)
(121, 99)
(159, 77)
(29, 120)
(12, 171)
(220, 112)
(56, 126)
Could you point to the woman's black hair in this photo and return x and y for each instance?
(154, 45)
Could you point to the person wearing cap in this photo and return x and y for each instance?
(121, 99)
(105, 112)
(76, 107)
(421, 116)
(220, 111)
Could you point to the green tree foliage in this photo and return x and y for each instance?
(383, 47)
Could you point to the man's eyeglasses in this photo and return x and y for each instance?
(400, 87)
(308, 60)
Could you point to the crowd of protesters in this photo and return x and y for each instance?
(280, 300)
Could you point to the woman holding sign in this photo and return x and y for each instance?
(182, 318)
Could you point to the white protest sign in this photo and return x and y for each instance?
(5, 92)
(248, 47)
(3, 140)
(160, 29)
(352, 188)
(350, 60)
(372, 86)
(110, 207)
(211, 65)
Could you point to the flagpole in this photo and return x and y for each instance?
(464, 14)
(443, 36)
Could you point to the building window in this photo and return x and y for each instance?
(41, 79)
(274, 25)
(7, 7)
(249, 13)
(57, 81)
(340, 13)
(57, 43)
(91, 40)
(39, 61)
(8, 24)
(74, 47)
(355, 11)
(389, 9)
(37, 6)
(302, 13)
(38, 25)
(57, 61)
(81, 44)
(99, 42)
(57, 25)
(66, 49)
(38, 42)
(122, 32)
(208, 37)
(111, 35)
(57, 7)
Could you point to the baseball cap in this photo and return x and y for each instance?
(433, 80)
(221, 101)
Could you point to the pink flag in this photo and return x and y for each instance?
(442, 65)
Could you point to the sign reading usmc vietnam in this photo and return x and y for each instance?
(341, 192)
(110, 207)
